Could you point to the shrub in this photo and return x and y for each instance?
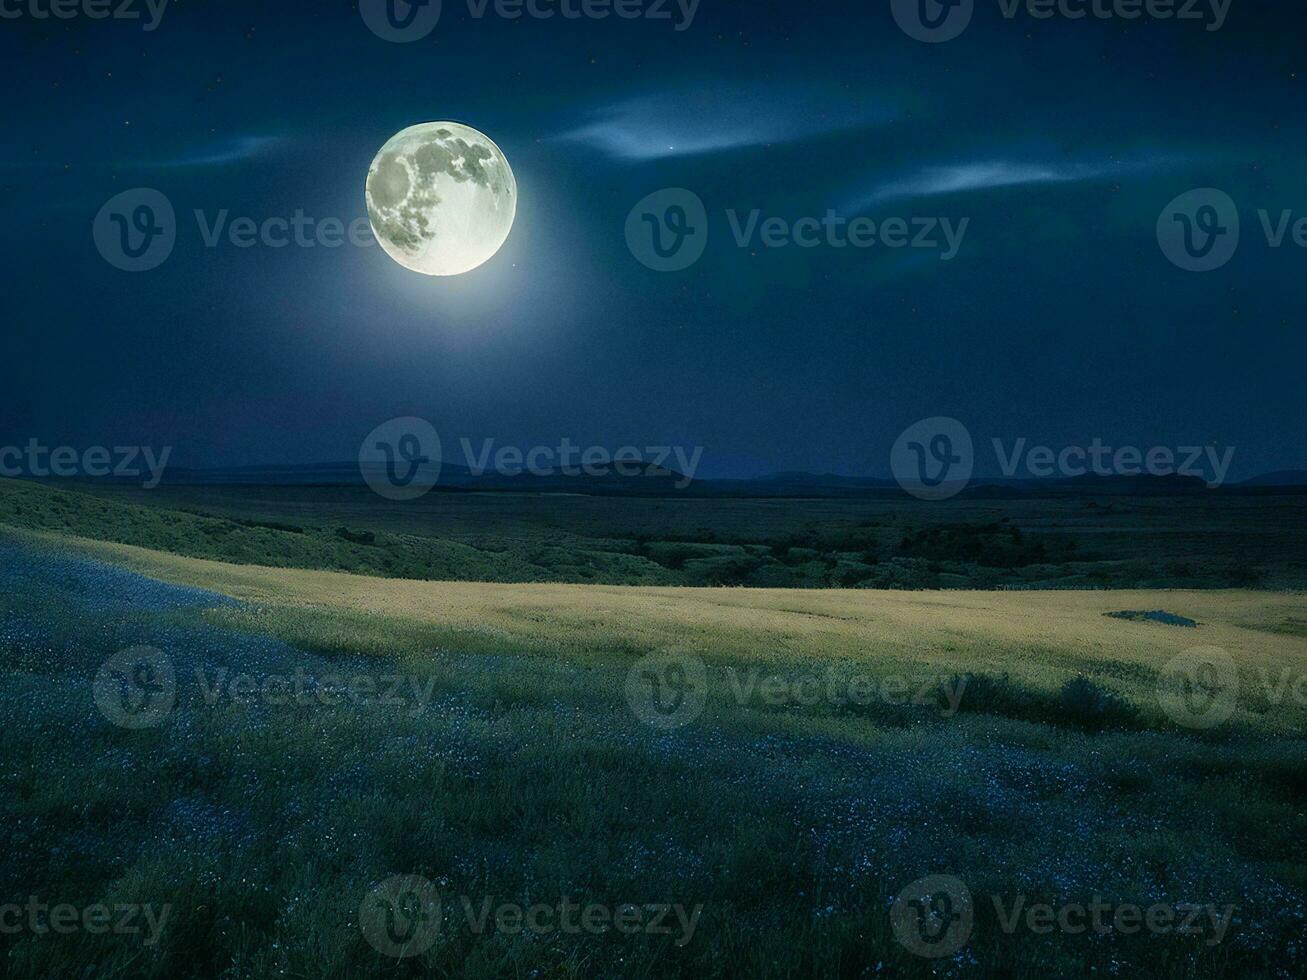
(1086, 705)
(356, 537)
(1080, 704)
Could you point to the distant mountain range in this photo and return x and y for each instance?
(652, 480)
(1280, 478)
(632, 478)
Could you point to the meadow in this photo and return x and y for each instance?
(1072, 541)
(501, 741)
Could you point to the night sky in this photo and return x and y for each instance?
(1059, 320)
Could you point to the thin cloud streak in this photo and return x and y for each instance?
(718, 119)
(216, 155)
(995, 174)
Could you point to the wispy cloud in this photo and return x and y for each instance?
(712, 119)
(218, 153)
(992, 174)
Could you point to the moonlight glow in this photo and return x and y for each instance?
(441, 198)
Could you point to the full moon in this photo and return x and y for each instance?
(441, 198)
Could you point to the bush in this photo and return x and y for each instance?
(356, 537)
(1080, 704)
(1093, 708)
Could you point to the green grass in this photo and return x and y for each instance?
(530, 779)
(528, 776)
(281, 543)
(1054, 542)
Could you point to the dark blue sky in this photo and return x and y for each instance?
(1059, 320)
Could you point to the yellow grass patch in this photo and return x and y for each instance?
(1039, 637)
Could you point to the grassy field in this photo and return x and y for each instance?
(1038, 639)
(827, 749)
(1218, 541)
